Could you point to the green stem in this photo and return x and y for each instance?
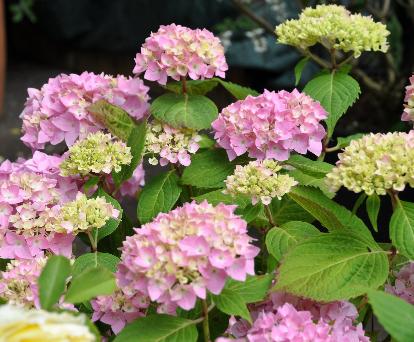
(206, 327)
(394, 198)
(94, 245)
(269, 215)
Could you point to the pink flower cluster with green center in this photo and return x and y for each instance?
(404, 283)
(271, 125)
(58, 111)
(181, 255)
(176, 51)
(408, 114)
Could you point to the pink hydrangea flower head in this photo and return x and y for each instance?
(176, 51)
(404, 283)
(181, 255)
(58, 111)
(408, 114)
(271, 125)
(120, 308)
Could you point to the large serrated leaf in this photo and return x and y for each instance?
(286, 210)
(158, 195)
(402, 228)
(238, 91)
(184, 110)
(332, 266)
(89, 260)
(193, 87)
(253, 289)
(232, 303)
(215, 197)
(159, 328)
(312, 167)
(336, 92)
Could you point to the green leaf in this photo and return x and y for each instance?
(250, 211)
(215, 197)
(159, 328)
(232, 303)
(330, 214)
(90, 260)
(91, 182)
(183, 110)
(360, 200)
(206, 142)
(193, 87)
(208, 169)
(253, 289)
(311, 167)
(394, 314)
(373, 204)
(136, 141)
(112, 224)
(239, 92)
(336, 92)
(52, 280)
(314, 181)
(332, 266)
(402, 228)
(299, 69)
(279, 240)
(342, 142)
(286, 210)
(114, 118)
(89, 284)
(158, 195)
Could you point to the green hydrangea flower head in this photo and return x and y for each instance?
(334, 27)
(375, 163)
(260, 181)
(84, 214)
(97, 153)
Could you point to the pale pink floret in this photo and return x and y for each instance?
(181, 255)
(404, 284)
(408, 114)
(30, 192)
(271, 125)
(58, 111)
(177, 51)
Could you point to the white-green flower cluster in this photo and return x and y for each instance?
(334, 27)
(375, 163)
(260, 181)
(84, 214)
(98, 153)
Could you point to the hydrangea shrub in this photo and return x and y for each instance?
(238, 235)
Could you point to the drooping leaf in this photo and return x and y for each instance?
(232, 303)
(159, 328)
(373, 204)
(333, 266)
(360, 200)
(216, 196)
(238, 91)
(158, 195)
(52, 280)
(394, 314)
(279, 240)
(193, 87)
(184, 110)
(208, 169)
(114, 118)
(299, 69)
(402, 228)
(90, 260)
(136, 141)
(336, 92)
(91, 283)
(253, 289)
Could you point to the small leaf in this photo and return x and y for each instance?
(373, 206)
(336, 92)
(231, 303)
(184, 110)
(193, 87)
(112, 224)
(238, 91)
(343, 142)
(158, 195)
(299, 69)
(215, 197)
(360, 200)
(402, 228)
(250, 211)
(394, 314)
(52, 280)
(318, 182)
(89, 284)
(91, 182)
(159, 328)
(279, 240)
(253, 289)
(90, 260)
(114, 118)
(333, 266)
(311, 167)
(136, 141)
(208, 169)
